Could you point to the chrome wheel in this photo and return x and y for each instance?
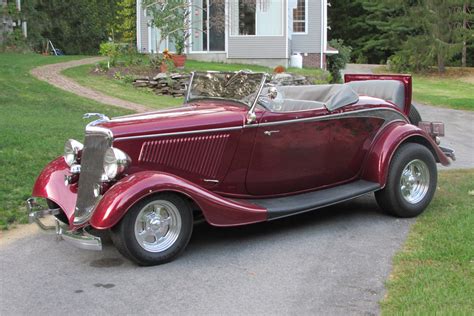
(415, 181)
(157, 226)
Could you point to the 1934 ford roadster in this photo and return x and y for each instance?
(239, 152)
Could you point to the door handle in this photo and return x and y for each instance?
(269, 133)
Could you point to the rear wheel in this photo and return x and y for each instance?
(411, 181)
(155, 230)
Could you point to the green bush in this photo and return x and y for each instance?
(111, 50)
(338, 62)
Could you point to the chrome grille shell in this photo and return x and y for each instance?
(97, 141)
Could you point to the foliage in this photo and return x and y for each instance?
(432, 274)
(430, 29)
(76, 27)
(46, 117)
(337, 62)
(125, 22)
(111, 50)
(157, 61)
(15, 42)
(172, 19)
(348, 20)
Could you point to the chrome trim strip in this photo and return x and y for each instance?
(211, 181)
(212, 130)
(359, 113)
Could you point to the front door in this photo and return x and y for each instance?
(308, 150)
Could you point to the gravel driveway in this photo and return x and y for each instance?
(333, 261)
(52, 74)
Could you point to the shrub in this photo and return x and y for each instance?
(111, 50)
(338, 62)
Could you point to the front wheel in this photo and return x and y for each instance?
(411, 181)
(155, 230)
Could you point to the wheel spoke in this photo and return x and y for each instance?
(414, 181)
(160, 219)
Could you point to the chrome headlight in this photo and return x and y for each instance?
(71, 150)
(115, 162)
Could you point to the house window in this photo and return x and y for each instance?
(247, 18)
(258, 17)
(299, 17)
(208, 25)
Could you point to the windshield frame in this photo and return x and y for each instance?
(251, 105)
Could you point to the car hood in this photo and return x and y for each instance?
(190, 117)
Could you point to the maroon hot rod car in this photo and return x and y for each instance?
(239, 151)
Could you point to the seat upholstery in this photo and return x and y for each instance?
(389, 90)
(300, 98)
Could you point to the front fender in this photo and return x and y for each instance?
(217, 210)
(50, 185)
(378, 161)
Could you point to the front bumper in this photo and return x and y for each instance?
(79, 238)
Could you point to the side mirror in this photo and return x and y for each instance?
(272, 93)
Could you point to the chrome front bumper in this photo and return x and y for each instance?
(79, 238)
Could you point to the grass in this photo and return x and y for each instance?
(450, 92)
(119, 88)
(454, 89)
(434, 272)
(124, 90)
(36, 119)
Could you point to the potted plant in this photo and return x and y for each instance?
(179, 59)
(172, 18)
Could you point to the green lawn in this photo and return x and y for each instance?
(36, 120)
(453, 90)
(434, 272)
(445, 92)
(119, 88)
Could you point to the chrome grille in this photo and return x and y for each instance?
(92, 159)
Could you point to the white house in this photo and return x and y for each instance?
(265, 32)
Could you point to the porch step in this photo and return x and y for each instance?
(295, 204)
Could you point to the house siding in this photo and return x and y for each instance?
(257, 47)
(310, 42)
(144, 48)
(247, 47)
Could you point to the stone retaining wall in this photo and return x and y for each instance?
(175, 84)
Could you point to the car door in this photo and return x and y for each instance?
(289, 153)
(308, 150)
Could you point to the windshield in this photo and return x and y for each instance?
(241, 86)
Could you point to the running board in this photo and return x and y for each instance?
(305, 202)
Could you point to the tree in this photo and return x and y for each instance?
(337, 62)
(125, 21)
(75, 26)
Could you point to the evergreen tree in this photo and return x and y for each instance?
(125, 21)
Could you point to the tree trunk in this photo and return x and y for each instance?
(464, 43)
(441, 65)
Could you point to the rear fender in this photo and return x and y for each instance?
(217, 210)
(378, 161)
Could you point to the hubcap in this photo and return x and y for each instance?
(157, 226)
(415, 180)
